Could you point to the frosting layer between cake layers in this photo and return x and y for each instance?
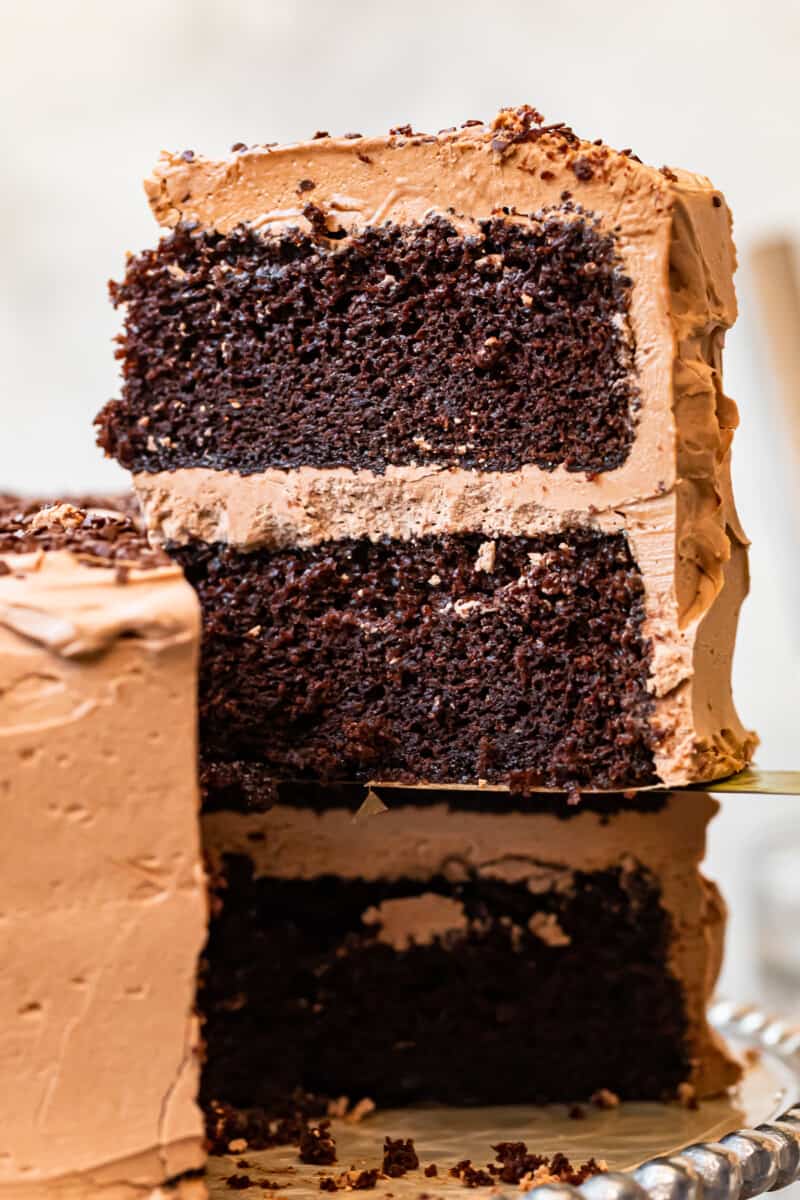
(102, 886)
(456, 942)
(667, 490)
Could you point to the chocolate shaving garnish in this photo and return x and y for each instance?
(96, 539)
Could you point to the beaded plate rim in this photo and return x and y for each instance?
(742, 1164)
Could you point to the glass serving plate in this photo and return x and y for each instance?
(731, 1148)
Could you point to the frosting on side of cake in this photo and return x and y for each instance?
(102, 886)
(671, 495)
(419, 842)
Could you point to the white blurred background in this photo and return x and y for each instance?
(91, 90)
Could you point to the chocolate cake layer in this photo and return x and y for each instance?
(447, 658)
(304, 987)
(418, 343)
(471, 958)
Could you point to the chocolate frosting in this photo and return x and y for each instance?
(102, 890)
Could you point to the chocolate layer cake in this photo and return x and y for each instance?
(419, 947)
(436, 426)
(437, 952)
(101, 886)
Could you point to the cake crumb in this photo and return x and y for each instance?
(365, 1105)
(546, 927)
(687, 1096)
(238, 1183)
(605, 1098)
(361, 1181)
(399, 1156)
(485, 559)
(354, 1180)
(431, 1171)
(338, 1108)
(471, 1176)
(237, 1145)
(317, 1145)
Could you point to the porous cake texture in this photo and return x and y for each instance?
(439, 951)
(436, 426)
(102, 889)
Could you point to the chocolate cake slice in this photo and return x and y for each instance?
(436, 427)
(438, 951)
(102, 890)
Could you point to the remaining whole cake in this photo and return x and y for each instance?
(102, 892)
(436, 427)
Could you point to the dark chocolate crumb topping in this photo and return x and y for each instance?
(96, 539)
